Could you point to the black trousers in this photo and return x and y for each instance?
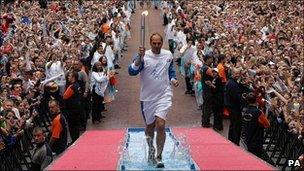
(85, 111)
(88, 106)
(207, 108)
(235, 127)
(73, 120)
(218, 116)
(188, 83)
(97, 106)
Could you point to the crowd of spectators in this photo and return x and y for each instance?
(59, 54)
(56, 56)
(227, 49)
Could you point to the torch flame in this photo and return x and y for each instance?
(145, 13)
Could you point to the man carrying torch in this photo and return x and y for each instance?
(156, 75)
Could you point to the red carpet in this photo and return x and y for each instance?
(211, 151)
(94, 150)
(99, 150)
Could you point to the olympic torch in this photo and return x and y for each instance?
(143, 28)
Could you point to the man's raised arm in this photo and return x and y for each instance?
(138, 63)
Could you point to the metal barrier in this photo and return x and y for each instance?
(281, 145)
(18, 157)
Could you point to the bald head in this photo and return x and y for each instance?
(156, 36)
(156, 42)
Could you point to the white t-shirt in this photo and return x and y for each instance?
(189, 53)
(96, 58)
(196, 60)
(56, 69)
(181, 38)
(110, 55)
(100, 81)
(154, 76)
(170, 32)
(117, 43)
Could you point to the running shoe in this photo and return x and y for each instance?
(159, 162)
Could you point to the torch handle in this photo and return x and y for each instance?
(142, 31)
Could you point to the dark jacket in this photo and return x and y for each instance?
(218, 92)
(252, 132)
(61, 144)
(233, 95)
(73, 103)
(206, 77)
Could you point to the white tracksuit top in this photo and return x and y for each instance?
(156, 74)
